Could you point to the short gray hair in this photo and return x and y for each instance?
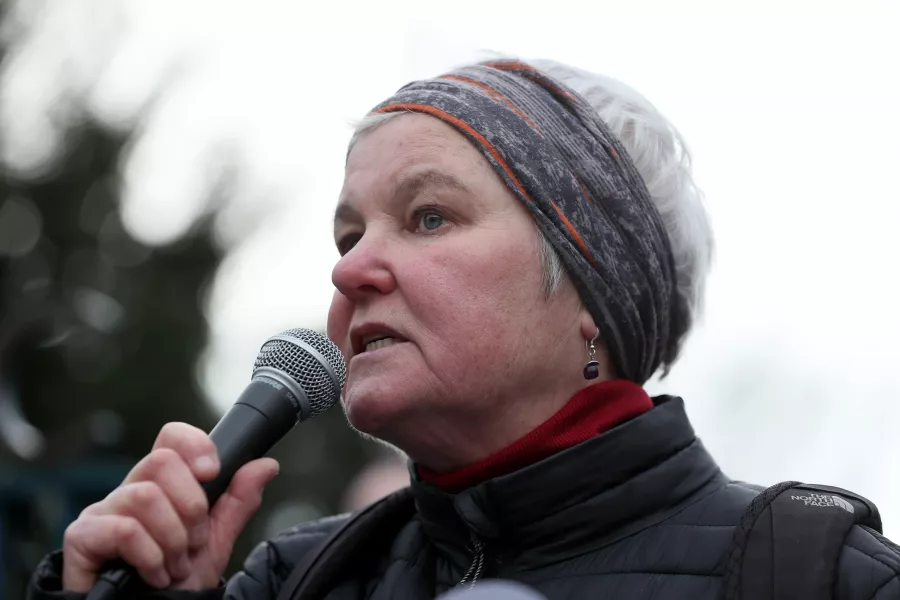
(661, 157)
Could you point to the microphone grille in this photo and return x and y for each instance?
(304, 368)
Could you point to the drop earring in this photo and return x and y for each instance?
(592, 368)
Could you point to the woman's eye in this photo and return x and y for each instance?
(431, 221)
(346, 243)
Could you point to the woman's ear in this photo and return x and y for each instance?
(588, 327)
(590, 331)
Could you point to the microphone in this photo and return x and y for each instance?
(297, 375)
(496, 589)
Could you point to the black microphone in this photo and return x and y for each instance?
(493, 589)
(297, 375)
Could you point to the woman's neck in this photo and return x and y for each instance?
(590, 412)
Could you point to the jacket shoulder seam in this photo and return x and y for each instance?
(316, 527)
(876, 558)
(895, 578)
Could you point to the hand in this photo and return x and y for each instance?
(158, 520)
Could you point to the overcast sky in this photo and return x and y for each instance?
(791, 110)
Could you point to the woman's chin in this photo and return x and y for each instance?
(371, 411)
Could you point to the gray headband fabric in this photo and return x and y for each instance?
(586, 195)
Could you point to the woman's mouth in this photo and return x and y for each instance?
(370, 337)
(382, 343)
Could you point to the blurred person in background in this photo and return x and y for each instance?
(376, 480)
(522, 248)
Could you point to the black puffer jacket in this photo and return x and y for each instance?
(639, 512)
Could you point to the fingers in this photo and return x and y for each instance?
(146, 502)
(193, 445)
(155, 520)
(92, 540)
(158, 519)
(240, 501)
(170, 472)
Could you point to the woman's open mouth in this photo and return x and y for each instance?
(382, 343)
(373, 336)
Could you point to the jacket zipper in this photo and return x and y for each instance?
(477, 565)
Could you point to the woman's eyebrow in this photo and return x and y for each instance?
(405, 190)
(410, 186)
(346, 213)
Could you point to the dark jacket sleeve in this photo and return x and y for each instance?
(46, 584)
(272, 562)
(264, 572)
(868, 567)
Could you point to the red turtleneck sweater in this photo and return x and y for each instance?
(589, 413)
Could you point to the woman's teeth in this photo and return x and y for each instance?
(382, 343)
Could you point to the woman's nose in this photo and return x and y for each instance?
(365, 270)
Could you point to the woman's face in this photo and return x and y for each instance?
(442, 264)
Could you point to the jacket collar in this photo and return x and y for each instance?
(581, 498)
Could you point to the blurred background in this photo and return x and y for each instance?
(168, 173)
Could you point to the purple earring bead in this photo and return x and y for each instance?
(592, 370)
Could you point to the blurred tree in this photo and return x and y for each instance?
(99, 332)
(99, 339)
(99, 321)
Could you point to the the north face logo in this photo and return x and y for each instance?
(825, 500)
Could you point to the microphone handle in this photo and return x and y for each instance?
(260, 417)
(263, 414)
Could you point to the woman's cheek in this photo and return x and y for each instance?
(337, 328)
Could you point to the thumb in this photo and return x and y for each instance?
(240, 501)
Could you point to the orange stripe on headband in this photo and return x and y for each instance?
(575, 235)
(498, 96)
(584, 191)
(495, 95)
(615, 154)
(436, 112)
(531, 73)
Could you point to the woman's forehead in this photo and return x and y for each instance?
(410, 139)
(411, 152)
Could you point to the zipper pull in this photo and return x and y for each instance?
(477, 565)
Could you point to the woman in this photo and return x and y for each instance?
(521, 250)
